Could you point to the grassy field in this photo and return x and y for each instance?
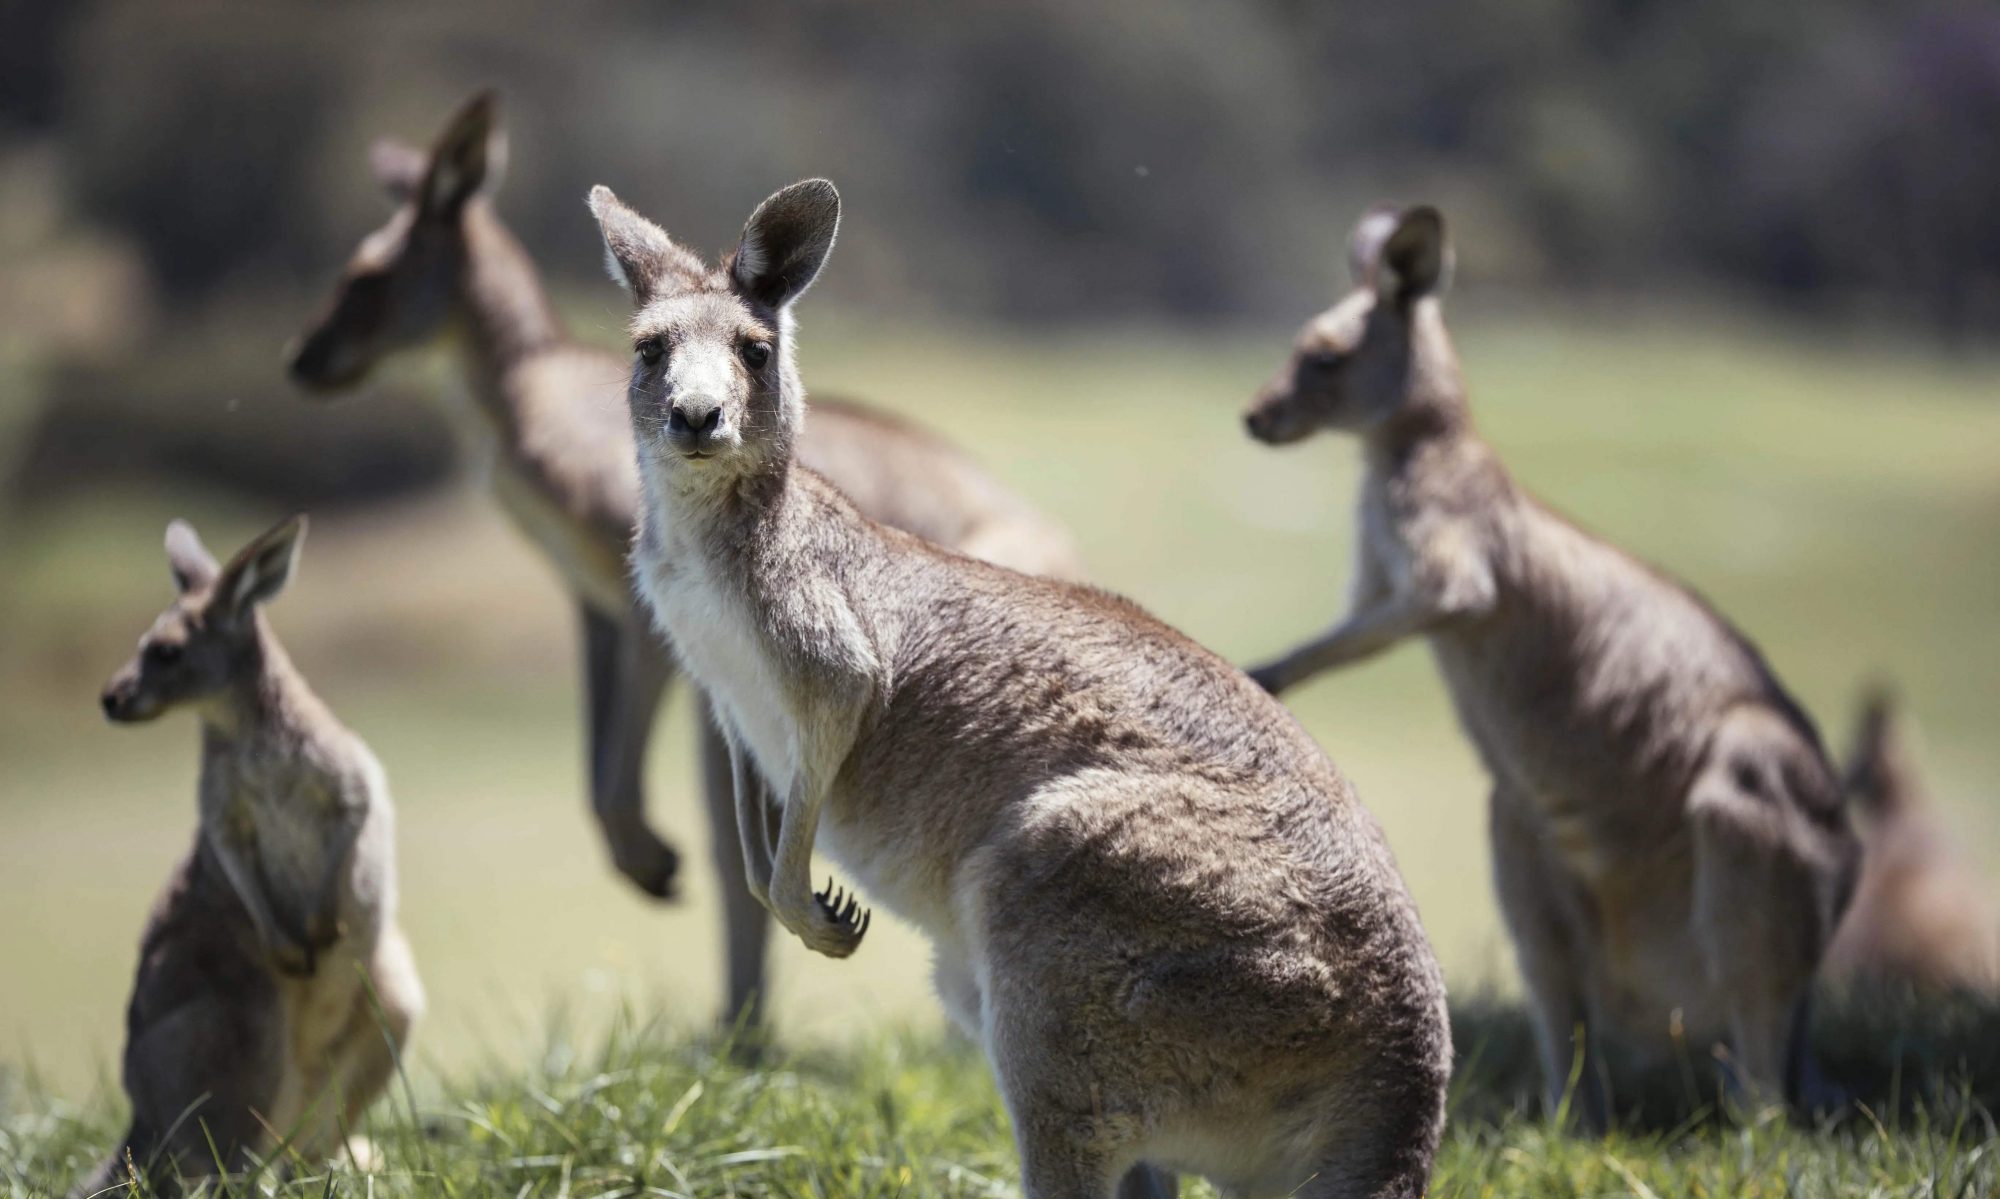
(646, 1110)
(1840, 501)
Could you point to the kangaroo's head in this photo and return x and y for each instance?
(1357, 364)
(398, 288)
(207, 639)
(715, 390)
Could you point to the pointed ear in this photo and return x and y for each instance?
(192, 565)
(786, 242)
(398, 166)
(260, 570)
(468, 155)
(639, 255)
(1416, 258)
(1364, 245)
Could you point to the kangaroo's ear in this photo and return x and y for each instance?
(398, 166)
(1416, 257)
(193, 566)
(260, 570)
(467, 158)
(1364, 245)
(1874, 759)
(639, 255)
(786, 242)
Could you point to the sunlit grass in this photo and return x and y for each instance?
(645, 1109)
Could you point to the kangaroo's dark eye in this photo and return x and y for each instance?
(1323, 360)
(756, 354)
(163, 653)
(651, 351)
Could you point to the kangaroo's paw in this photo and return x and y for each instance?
(1268, 678)
(649, 862)
(836, 923)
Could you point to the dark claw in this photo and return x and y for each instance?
(844, 908)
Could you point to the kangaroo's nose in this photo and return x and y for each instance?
(695, 418)
(109, 702)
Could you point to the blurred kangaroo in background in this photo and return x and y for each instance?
(1920, 915)
(1164, 914)
(548, 418)
(1667, 833)
(274, 990)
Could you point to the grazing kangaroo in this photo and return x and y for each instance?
(1920, 915)
(1667, 833)
(1177, 934)
(274, 989)
(548, 416)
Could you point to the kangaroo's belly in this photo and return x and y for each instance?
(1606, 775)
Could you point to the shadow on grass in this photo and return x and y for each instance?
(1893, 1052)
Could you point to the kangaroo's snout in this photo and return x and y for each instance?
(315, 362)
(120, 700)
(1272, 417)
(695, 424)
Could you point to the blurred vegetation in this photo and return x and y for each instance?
(179, 182)
(1043, 160)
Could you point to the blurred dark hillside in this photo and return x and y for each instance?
(192, 173)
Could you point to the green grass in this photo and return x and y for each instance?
(645, 1110)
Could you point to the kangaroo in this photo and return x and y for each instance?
(1667, 833)
(275, 990)
(548, 418)
(1920, 916)
(1163, 913)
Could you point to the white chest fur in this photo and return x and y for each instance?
(712, 631)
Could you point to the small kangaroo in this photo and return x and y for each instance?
(1920, 915)
(1164, 914)
(1667, 833)
(548, 418)
(252, 1019)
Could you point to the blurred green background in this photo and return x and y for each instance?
(1727, 280)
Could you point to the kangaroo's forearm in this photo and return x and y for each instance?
(829, 922)
(1362, 635)
(753, 827)
(602, 702)
(247, 882)
(323, 925)
(791, 887)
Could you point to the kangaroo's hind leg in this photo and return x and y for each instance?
(1770, 878)
(1542, 919)
(202, 1078)
(379, 1034)
(746, 925)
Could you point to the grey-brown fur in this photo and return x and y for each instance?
(251, 1019)
(1155, 903)
(1667, 834)
(548, 416)
(1921, 916)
